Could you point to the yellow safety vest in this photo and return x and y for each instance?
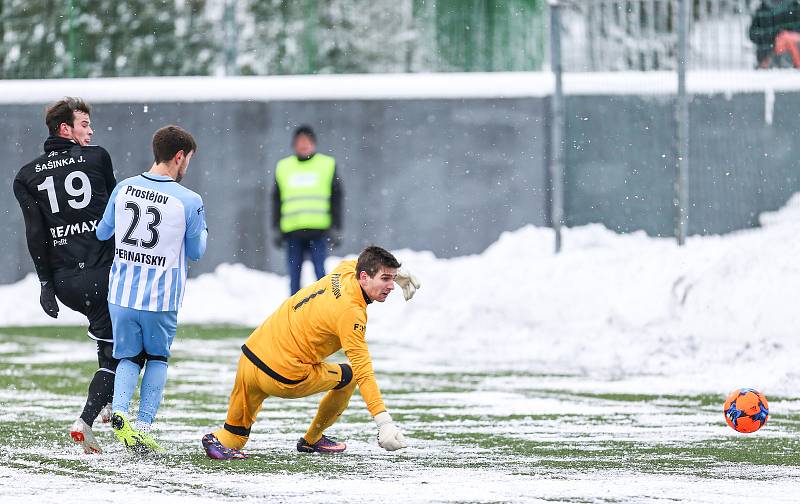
(305, 188)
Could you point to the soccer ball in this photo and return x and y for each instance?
(746, 410)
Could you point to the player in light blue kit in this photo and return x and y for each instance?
(157, 224)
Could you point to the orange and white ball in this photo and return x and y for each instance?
(746, 410)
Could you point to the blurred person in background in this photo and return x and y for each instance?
(306, 205)
(62, 194)
(775, 30)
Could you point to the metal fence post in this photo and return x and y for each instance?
(556, 166)
(71, 41)
(682, 124)
(231, 37)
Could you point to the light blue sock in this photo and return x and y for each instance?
(125, 382)
(155, 377)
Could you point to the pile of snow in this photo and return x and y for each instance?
(718, 313)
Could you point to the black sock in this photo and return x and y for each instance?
(101, 392)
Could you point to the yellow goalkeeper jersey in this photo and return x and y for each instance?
(316, 322)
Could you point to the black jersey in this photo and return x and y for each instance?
(63, 194)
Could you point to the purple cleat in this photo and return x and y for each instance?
(324, 445)
(218, 451)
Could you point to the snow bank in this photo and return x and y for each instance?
(714, 315)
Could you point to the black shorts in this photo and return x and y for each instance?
(86, 292)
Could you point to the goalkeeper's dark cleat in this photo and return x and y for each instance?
(218, 451)
(324, 445)
(135, 441)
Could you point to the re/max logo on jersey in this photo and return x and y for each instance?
(72, 229)
(359, 327)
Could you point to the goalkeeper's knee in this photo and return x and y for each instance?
(346, 383)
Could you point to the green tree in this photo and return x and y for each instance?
(482, 35)
(32, 43)
(110, 38)
(146, 37)
(83, 38)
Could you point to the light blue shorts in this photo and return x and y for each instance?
(139, 330)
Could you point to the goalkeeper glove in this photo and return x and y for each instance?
(48, 299)
(389, 436)
(408, 282)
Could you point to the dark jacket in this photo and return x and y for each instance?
(63, 194)
(771, 18)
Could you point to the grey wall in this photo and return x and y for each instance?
(441, 175)
(446, 175)
(620, 161)
(741, 166)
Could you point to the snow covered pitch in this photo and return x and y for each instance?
(593, 376)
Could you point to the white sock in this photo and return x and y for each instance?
(141, 426)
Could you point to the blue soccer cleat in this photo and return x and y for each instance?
(324, 445)
(218, 451)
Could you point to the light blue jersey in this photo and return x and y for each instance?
(157, 224)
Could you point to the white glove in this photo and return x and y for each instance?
(408, 282)
(389, 436)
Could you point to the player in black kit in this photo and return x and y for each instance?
(63, 194)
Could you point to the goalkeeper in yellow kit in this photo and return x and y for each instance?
(284, 357)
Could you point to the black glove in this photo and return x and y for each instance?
(48, 299)
(278, 240)
(334, 238)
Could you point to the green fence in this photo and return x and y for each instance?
(106, 38)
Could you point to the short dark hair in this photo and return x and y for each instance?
(63, 111)
(373, 258)
(168, 140)
(304, 130)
